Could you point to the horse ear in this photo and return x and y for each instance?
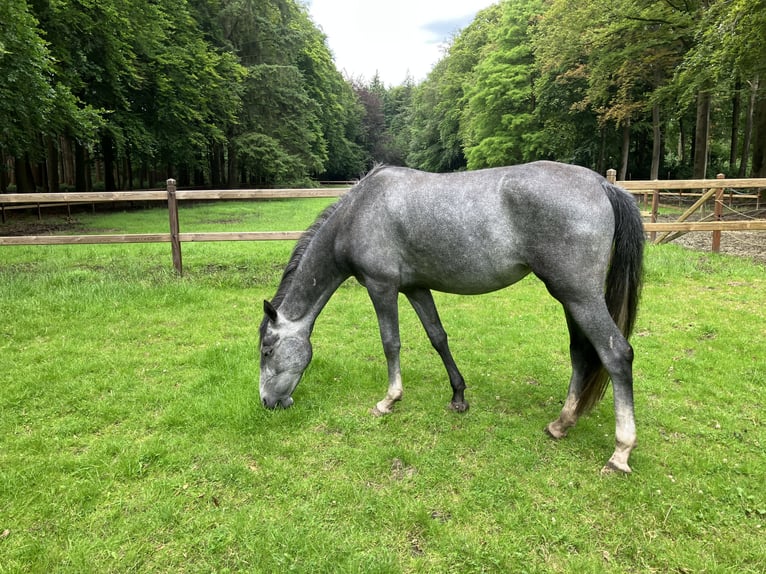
(271, 313)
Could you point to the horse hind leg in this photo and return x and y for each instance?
(423, 303)
(585, 365)
(616, 356)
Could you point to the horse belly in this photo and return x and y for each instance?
(464, 271)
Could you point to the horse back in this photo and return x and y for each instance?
(472, 232)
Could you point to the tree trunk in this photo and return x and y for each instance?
(25, 181)
(625, 151)
(3, 172)
(745, 155)
(199, 177)
(602, 167)
(759, 139)
(128, 168)
(682, 141)
(107, 149)
(657, 142)
(52, 164)
(88, 171)
(80, 183)
(232, 177)
(736, 112)
(216, 164)
(701, 135)
(67, 161)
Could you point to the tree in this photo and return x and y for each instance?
(620, 58)
(439, 103)
(729, 44)
(500, 123)
(34, 105)
(201, 90)
(297, 109)
(340, 113)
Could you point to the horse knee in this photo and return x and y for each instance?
(629, 354)
(391, 348)
(618, 361)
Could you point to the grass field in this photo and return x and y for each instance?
(131, 438)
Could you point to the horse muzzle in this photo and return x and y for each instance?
(272, 403)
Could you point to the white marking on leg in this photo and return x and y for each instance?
(394, 394)
(567, 419)
(625, 439)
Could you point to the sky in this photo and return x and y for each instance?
(391, 37)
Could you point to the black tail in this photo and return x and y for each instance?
(623, 285)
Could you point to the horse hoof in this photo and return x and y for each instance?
(378, 412)
(614, 468)
(461, 407)
(555, 434)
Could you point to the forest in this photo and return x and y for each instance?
(122, 94)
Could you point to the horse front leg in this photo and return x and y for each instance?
(385, 302)
(423, 303)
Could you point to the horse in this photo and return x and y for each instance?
(400, 230)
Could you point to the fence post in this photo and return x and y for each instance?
(611, 176)
(175, 240)
(655, 212)
(716, 247)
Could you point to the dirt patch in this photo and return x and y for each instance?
(226, 220)
(21, 228)
(750, 244)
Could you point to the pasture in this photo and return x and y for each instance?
(132, 439)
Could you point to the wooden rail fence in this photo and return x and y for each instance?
(709, 188)
(172, 196)
(175, 237)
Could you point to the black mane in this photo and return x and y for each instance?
(299, 250)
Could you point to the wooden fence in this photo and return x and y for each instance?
(175, 237)
(704, 189)
(170, 195)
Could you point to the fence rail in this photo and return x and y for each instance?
(162, 195)
(150, 238)
(172, 196)
(708, 188)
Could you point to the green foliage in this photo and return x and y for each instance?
(282, 137)
(31, 102)
(231, 92)
(500, 119)
(594, 84)
(339, 112)
(439, 102)
(729, 40)
(187, 84)
(26, 97)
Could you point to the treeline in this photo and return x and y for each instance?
(652, 88)
(124, 93)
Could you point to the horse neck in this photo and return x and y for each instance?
(315, 280)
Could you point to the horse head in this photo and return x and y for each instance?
(285, 353)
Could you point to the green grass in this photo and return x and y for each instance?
(131, 439)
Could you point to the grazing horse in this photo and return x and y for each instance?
(405, 231)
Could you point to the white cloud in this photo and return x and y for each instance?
(395, 37)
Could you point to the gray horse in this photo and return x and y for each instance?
(405, 231)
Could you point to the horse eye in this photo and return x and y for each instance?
(268, 351)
